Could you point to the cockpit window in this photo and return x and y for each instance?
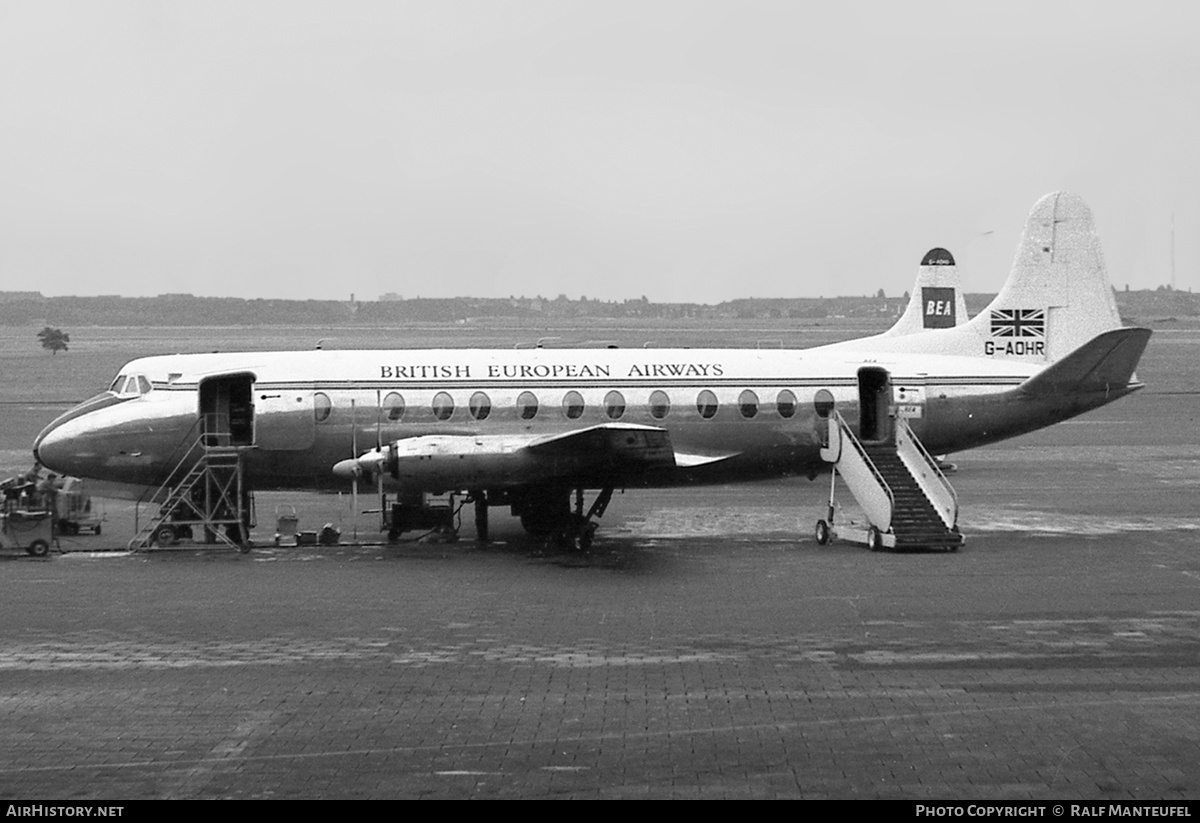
(130, 385)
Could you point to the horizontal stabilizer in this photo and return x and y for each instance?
(1106, 363)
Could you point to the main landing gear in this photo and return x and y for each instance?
(552, 514)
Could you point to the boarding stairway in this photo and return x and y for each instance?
(906, 498)
(205, 490)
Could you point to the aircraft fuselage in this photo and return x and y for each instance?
(746, 413)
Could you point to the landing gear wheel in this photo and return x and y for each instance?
(566, 539)
(586, 536)
(38, 548)
(539, 523)
(874, 539)
(822, 533)
(163, 536)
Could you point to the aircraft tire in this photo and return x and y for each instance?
(541, 522)
(163, 536)
(38, 548)
(874, 539)
(822, 533)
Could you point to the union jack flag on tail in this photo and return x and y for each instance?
(1019, 323)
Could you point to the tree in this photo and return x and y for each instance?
(54, 339)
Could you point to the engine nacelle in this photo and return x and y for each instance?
(440, 462)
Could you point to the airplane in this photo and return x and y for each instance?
(536, 429)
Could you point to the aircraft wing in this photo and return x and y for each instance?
(608, 450)
(620, 446)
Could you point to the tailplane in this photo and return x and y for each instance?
(1104, 364)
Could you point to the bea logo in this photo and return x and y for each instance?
(939, 307)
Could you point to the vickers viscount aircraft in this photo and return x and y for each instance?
(534, 429)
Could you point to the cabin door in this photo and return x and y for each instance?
(874, 402)
(227, 410)
(910, 400)
(285, 420)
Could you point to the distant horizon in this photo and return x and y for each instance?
(10, 295)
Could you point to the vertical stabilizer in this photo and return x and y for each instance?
(1058, 291)
(937, 299)
(1056, 299)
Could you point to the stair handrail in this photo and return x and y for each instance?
(902, 424)
(171, 479)
(845, 433)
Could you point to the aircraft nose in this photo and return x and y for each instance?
(70, 441)
(53, 449)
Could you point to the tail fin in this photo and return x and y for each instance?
(1058, 292)
(937, 299)
(1056, 299)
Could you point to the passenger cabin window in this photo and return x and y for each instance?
(660, 405)
(785, 403)
(527, 405)
(614, 405)
(706, 404)
(823, 403)
(322, 407)
(393, 404)
(573, 405)
(748, 403)
(480, 405)
(443, 405)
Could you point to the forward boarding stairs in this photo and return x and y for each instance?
(906, 498)
(204, 491)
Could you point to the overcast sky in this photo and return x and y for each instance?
(685, 151)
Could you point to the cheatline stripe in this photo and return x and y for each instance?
(342, 385)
